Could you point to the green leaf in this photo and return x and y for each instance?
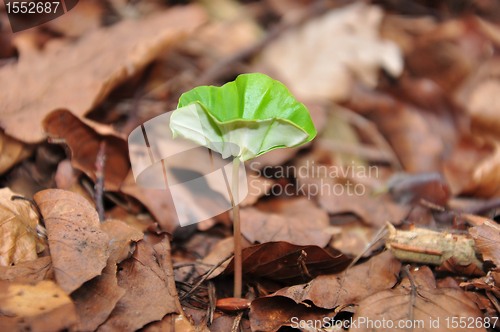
(255, 113)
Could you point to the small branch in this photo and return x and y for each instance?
(237, 322)
(212, 298)
(205, 276)
(100, 163)
(301, 261)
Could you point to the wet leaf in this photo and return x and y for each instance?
(19, 240)
(349, 287)
(78, 247)
(78, 76)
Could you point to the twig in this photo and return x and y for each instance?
(205, 276)
(40, 227)
(212, 298)
(413, 292)
(301, 261)
(493, 300)
(100, 163)
(237, 322)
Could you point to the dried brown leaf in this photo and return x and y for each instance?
(279, 261)
(269, 316)
(487, 238)
(421, 305)
(84, 143)
(158, 201)
(96, 299)
(19, 240)
(349, 287)
(12, 151)
(77, 245)
(68, 178)
(353, 50)
(297, 221)
(77, 76)
(38, 269)
(147, 296)
(35, 306)
(372, 210)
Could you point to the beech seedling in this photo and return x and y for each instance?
(244, 119)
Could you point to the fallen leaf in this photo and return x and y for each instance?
(487, 239)
(269, 316)
(338, 47)
(78, 76)
(421, 305)
(78, 247)
(348, 287)
(97, 298)
(172, 323)
(485, 180)
(416, 136)
(279, 261)
(35, 306)
(355, 237)
(147, 296)
(12, 151)
(19, 240)
(487, 283)
(38, 269)
(411, 188)
(158, 202)
(297, 221)
(372, 210)
(451, 265)
(85, 18)
(84, 143)
(68, 178)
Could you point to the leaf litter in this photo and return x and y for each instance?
(410, 90)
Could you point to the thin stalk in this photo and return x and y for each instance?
(237, 229)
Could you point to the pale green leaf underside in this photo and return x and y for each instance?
(254, 112)
(249, 138)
